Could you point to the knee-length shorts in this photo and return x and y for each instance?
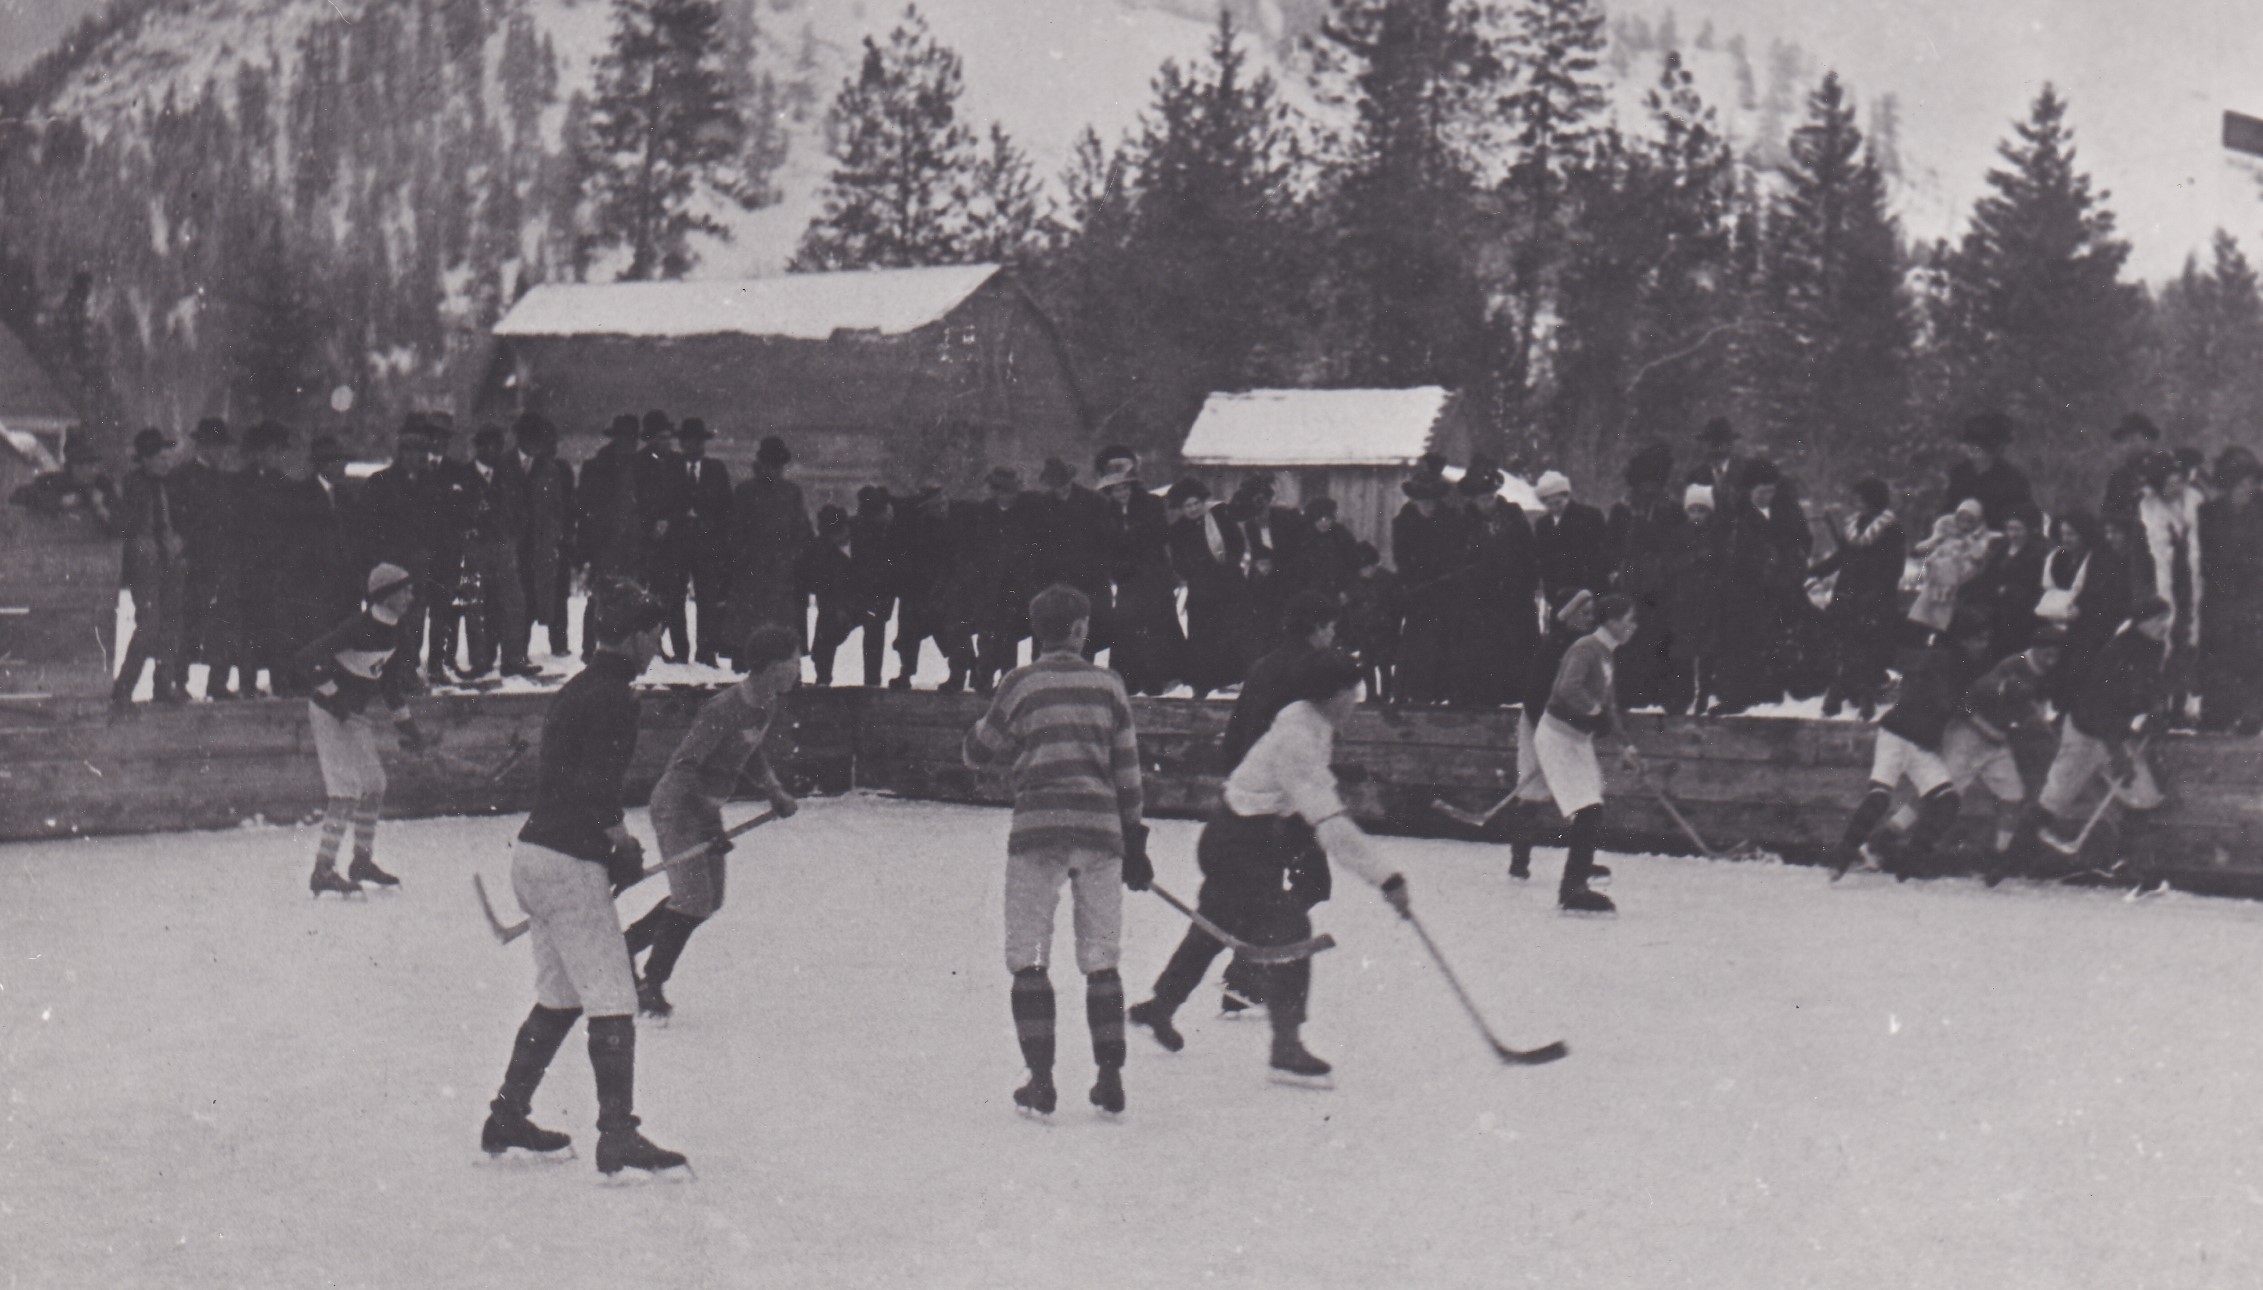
(347, 750)
(1033, 894)
(682, 820)
(580, 960)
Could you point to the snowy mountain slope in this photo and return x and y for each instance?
(2143, 100)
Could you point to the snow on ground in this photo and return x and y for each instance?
(214, 1081)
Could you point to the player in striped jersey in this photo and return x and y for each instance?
(345, 671)
(1061, 728)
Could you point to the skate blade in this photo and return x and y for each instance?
(526, 1158)
(648, 1177)
(1032, 1115)
(1309, 1083)
(1596, 915)
(654, 1020)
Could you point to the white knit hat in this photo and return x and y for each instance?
(386, 579)
(1698, 495)
(1551, 484)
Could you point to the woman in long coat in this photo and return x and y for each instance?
(1866, 601)
(1207, 552)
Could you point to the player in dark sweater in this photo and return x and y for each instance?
(345, 670)
(572, 857)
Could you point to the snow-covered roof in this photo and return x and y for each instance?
(1315, 427)
(797, 306)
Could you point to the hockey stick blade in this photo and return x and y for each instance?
(503, 935)
(1303, 949)
(1452, 812)
(1540, 1056)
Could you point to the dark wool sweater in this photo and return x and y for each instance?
(587, 740)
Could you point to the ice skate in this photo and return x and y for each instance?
(1599, 875)
(1581, 902)
(364, 869)
(508, 1130)
(326, 878)
(1037, 1098)
(1151, 1015)
(624, 1149)
(1294, 1066)
(1108, 1090)
(651, 1003)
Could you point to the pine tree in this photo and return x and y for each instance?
(905, 166)
(1648, 302)
(664, 136)
(1834, 354)
(2032, 315)
(1419, 74)
(1006, 212)
(274, 366)
(2207, 383)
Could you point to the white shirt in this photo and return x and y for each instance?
(1286, 773)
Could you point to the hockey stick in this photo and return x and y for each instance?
(2114, 793)
(1303, 949)
(480, 775)
(1741, 851)
(1510, 1056)
(512, 932)
(1472, 818)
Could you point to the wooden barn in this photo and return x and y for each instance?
(1356, 446)
(897, 376)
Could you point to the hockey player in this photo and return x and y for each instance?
(1909, 747)
(1280, 801)
(2004, 703)
(572, 856)
(687, 803)
(1064, 728)
(1581, 706)
(1566, 627)
(2118, 700)
(343, 670)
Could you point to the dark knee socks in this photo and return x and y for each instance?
(1104, 1014)
(612, 1058)
(1033, 1018)
(1867, 817)
(539, 1037)
(1935, 816)
(1579, 858)
(668, 943)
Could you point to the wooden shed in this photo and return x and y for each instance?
(1356, 446)
(898, 376)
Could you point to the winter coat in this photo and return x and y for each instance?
(1641, 538)
(2001, 489)
(1693, 591)
(1871, 554)
(770, 530)
(2172, 543)
(606, 522)
(1574, 552)
(1951, 560)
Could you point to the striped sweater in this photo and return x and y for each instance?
(1064, 727)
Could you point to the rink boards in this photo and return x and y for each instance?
(1786, 785)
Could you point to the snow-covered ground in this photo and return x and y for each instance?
(213, 1081)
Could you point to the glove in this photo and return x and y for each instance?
(783, 803)
(1395, 891)
(624, 864)
(412, 737)
(2119, 765)
(1139, 871)
(720, 846)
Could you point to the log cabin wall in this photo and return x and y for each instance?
(1784, 785)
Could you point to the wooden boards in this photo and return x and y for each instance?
(1784, 785)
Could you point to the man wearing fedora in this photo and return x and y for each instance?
(1999, 486)
(1720, 467)
(607, 521)
(999, 573)
(2125, 487)
(925, 564)
(663, 503)
(695, 556)
(770, 531)
(1429, 543)
(546, 559)
(152, 572)
(262, 501)
(397, 519)
(204, 511)
(491, 555)
(1496, 621)
(1148, 646)
(321, 582)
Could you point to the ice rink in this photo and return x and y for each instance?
(212, 1080)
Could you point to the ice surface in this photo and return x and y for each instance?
(212, 1080)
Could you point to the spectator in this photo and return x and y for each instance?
(1955, 552)
(1572, 542)
(1763, 587)
(1002, 573)
(1430, 544)
(546, 543)
(152, 573)
(2012, 585)
(697, 551)
(1984, 476)
(1498, 611)
(1149, 648)
(1693, 605)
(1720, 469)
(1207, 553)
(80, 492)
(2231, 563)
(204, 512)
(1329, 558)
(769, 532)
(1643, 530)
(873, 556)
(828, 574)
(2125, 486)
(2168, 511)
(606, 521)
(1370, 626)
(1866, 601)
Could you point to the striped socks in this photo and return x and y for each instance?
(1033, 1018)
(337, 812)
(1104, 1013)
